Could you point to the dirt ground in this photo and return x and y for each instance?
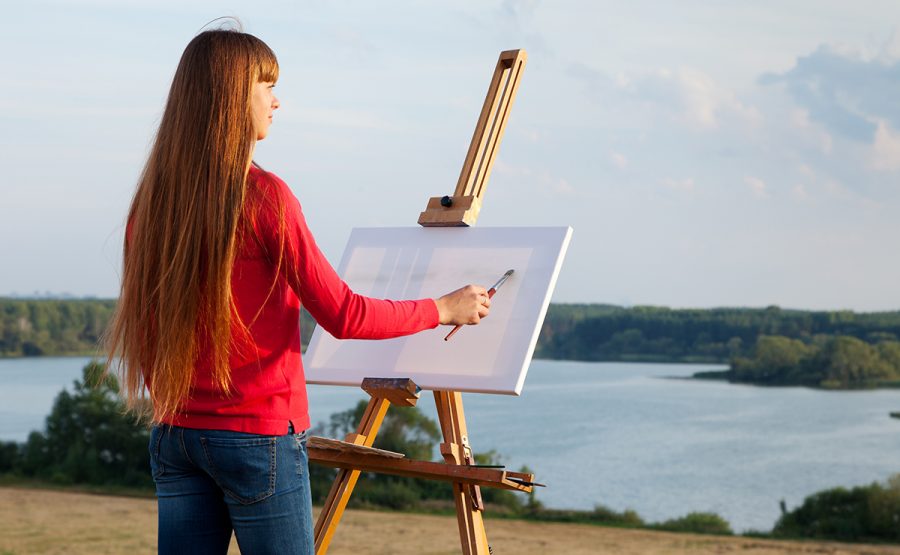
(51, 522)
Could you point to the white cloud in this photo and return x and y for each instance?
(885, 154)
(685, 185)
(815, 133)
(541, 179)
(843, 89)
(799, 191)
(837, 189)
(559, 185)
(757, 186)
(693, 97)
(700, 97)
(826, 143)
(618, 160)
(342, 118)
(531, 135)
(890, 50)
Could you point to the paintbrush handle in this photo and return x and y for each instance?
(454, 330)
(490, 294)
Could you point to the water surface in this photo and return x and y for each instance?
(621, 435)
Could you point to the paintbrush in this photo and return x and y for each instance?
(490, 293)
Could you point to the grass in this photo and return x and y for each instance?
(600, 516)
(9, 480)
(44, 521)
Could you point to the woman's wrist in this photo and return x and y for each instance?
(441, 310)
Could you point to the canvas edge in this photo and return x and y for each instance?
(545, 305)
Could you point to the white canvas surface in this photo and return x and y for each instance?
(418, 262)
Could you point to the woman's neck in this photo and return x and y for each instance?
(250, 158)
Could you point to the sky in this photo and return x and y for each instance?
(706, 153)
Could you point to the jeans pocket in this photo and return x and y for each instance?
(244, 467)
(155, 444)
(301, 454)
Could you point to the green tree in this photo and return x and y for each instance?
(10, 457)
(864, 513)
(89, 438)
(775, 358)
(36, 327)
(697, 523)
(404, 430)
(407, 430)
(889, 351)
(849, 362)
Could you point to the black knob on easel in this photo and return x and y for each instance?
(446, 201)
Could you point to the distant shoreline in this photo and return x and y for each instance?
(85, 354)
(585, 332)
(725, 375)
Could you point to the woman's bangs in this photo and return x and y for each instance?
(266, 64)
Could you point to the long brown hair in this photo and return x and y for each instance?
(182, 225)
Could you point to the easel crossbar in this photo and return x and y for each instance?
(472, 475)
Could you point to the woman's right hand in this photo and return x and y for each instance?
(467, 305)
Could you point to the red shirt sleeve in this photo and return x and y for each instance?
(343, 313)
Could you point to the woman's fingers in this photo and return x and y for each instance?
(481, 307)
(466, 305)
(483, 312)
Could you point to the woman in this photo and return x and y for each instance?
(217, 262)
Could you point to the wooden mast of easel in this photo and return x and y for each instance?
(461, 209)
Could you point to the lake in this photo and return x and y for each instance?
(624, 435)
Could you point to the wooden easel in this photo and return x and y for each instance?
(355, 454)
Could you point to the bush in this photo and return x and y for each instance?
(391, 492)
(866, 513)
(627, 517)
(697, 523)
(600, 515)
(503, 500)
(404, 430)
(407, 430)
(9, 456)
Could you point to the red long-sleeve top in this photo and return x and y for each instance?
(269, 388)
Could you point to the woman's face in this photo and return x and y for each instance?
(262, 105)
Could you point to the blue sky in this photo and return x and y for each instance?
(706, 153)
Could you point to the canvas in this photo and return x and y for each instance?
(413, 263)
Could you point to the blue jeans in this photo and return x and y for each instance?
(210, 482)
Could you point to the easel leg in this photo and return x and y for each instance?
(455, 449)
(345, 481)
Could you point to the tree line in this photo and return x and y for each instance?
(36, 327)
(589, 332)
(768, 346)
(63, 327)
(650, 333)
